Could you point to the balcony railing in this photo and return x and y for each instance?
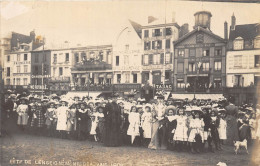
(59, 79)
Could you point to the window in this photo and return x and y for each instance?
(147, 45)
(55, 58)
(237, 60)
(180, 68)
(8, 82)
(25, 57)
(168, 58)
(127, 47)
(118, 76)
(25, 81)
(54, 71)
(127, 77)
(146, 59)
(238, 44)
(36, 60)
(60, 71)
(109, 57)
(126, 59)
(134, 78)
(191, 67)
(257, 42)
(206, 52)
(237, 80)
(145, 77)
(192, 52)
(117, 60)
(8, 58)
(67, 57)
(217, 66)
(205, 66)
(168, 43)
(157, 32)
(181, 53)
(14, 82)
(157, 44)
(18, 57)
(8, 72)
(36, 70)
(168, 31)
(18, 69)
(218, 52)
(167, 75)
(180, 83)
(146, 33)
(100, 80)
(18, 81)
(84, 56)
(77, 57)
(156, 59)
(25, 67)
(257, 60)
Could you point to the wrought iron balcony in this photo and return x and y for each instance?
(91, 65)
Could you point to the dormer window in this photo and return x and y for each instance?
(238, 43)
(257, 42)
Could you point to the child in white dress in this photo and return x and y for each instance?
(181, 133)
(146, 123)
(134, 123)
(222, 128)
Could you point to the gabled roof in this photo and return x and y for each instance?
(198, 29)
(137, 27)
(246, 31)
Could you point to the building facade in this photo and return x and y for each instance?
(61, 62)
(92, 68)
(157, 58)
(40, 70)
(243, 60)
(200, 58)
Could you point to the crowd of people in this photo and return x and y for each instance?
(194, 126)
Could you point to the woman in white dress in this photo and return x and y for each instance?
(22, 111)
(222, 128)
(62, 114)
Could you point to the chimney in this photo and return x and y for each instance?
(233, 22)
(32, 35)
(225, 30)
(184, 30)
(151, 19)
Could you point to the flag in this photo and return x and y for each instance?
(151, 19)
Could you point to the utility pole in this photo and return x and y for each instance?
(43, 67)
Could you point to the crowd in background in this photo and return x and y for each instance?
(194, 126)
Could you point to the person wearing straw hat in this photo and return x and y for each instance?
(82, 120)
(113, 121)
(222, 128)
(62, 117)
(196, 134)
(170, 125)
(38, 119)
(51, 119)
(22, 111)
(71, 121)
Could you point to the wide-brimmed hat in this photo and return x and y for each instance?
(160, 97)
(24, 98)
(171, 107)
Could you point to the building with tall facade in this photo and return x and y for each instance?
(127, 58)
(157, 59)
(243, 60)
(200, 58)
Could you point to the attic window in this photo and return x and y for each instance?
(257, 42)
(238, 44)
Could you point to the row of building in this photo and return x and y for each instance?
(196, 61)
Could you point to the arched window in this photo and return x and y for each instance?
(238, 43)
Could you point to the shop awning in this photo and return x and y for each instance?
(101, 75)
(82, 94)
(198, 96)
(109, 75)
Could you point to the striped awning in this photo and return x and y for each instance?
(198, 96)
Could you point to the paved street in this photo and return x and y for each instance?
(43, 151)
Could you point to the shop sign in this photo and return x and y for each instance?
(165, 87)
(126, 87)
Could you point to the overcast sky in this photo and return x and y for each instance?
(99, 22)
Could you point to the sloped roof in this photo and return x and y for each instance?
(197, 30)
(137, 27)
(246, 31)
